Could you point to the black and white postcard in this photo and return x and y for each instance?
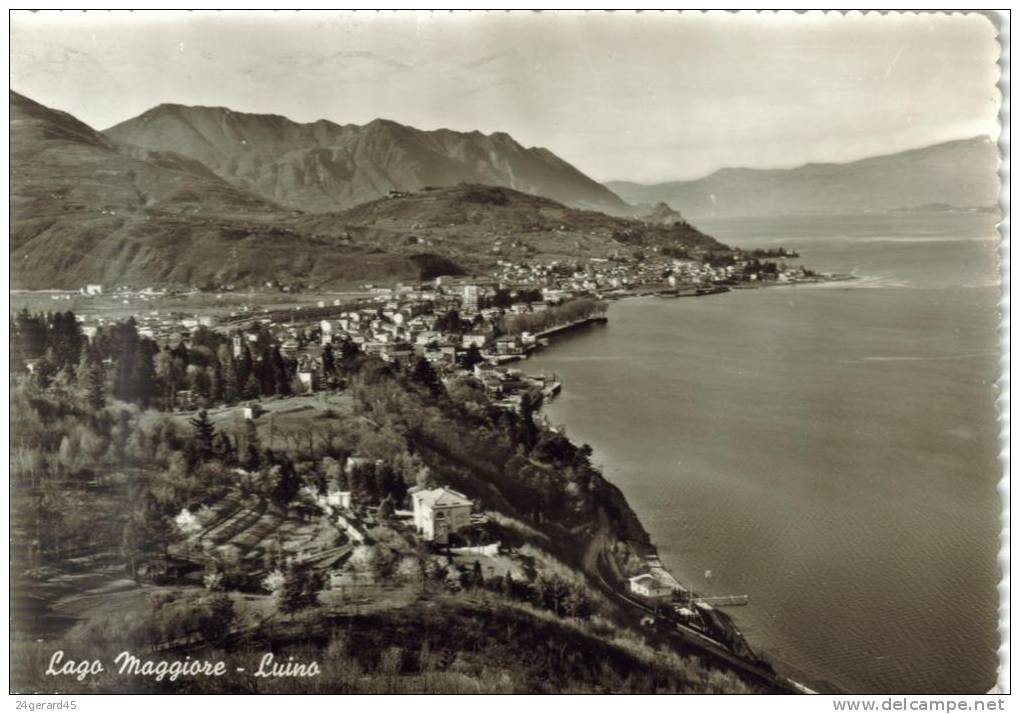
(506, 352)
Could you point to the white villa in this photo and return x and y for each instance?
(647, 585)
(439, 512)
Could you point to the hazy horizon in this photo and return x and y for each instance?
(639, 97)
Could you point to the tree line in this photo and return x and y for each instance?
(134, 369)
(554, 316)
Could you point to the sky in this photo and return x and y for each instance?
(644, 97)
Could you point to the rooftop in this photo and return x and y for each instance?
(441, 497)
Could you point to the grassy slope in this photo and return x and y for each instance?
(464, 643)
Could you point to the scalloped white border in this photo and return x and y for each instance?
(1001, 19)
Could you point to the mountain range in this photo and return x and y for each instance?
(207, 196)
(88, 207)
(324, 166)
(959, 174)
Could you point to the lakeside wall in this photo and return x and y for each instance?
(552, 331)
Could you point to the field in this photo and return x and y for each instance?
(252, 526)
(283, 419)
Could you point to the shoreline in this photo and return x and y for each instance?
(640, 539)
(683, 554)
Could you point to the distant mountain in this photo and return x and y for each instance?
(958, 173)
(324, 166)
(86, 208)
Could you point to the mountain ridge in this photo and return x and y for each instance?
(326, 166)
(956, 172)
(86, 208)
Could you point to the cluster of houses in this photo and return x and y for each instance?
(165, 328)
(604, 276)
(405, 325)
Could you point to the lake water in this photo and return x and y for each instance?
(829, 450)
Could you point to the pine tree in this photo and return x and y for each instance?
(245, 367)
(31, 336)
(65, 338)
(252, 388)
(44, 372)
(200, 384)
(328, 361)
(81, 371)
(252, 449)
(281, 375)
(230, 385)
(287, 482)
(204, 433)
(134, 378)
(348, 353)
(364, 484)
(216, 620)
(472, 357)
(224, 448)
(215, 381)
(426, 376)
(95, 386)
(267, 377)
(300, 589)
(145, 372)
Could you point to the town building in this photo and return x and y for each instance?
(308, 380)
(439, 512)
(647, 585)
(470, 302)
(339, 499)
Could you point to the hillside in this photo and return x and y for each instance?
(85, 208)
(324, 166)
(399, 614)
(60, 167)
(477, 225)
(957, 173)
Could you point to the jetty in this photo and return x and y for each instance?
(552, 331)
(723, 600)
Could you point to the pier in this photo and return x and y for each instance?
(723, 600)
(593, 320)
